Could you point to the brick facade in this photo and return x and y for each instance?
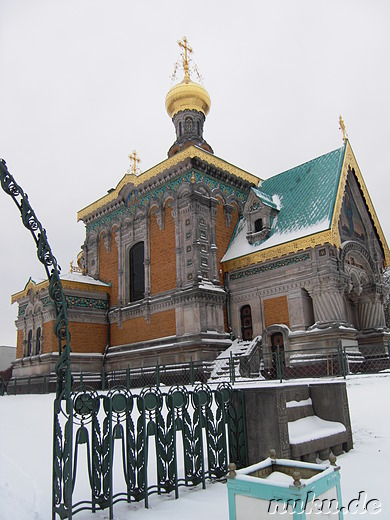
(276, 311)
(223, 232)
(50, 341)
(19, 344)
(88, 337)
(108, 263)
(162, 253)
(161, 324)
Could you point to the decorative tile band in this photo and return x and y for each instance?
(191, 176)
(93, 303)
(78, 301)
(270, 267)
(22, 310)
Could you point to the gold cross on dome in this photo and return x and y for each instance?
(134, 159)
(342, 128)
(187, 50)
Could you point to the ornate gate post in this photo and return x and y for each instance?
(62, 444)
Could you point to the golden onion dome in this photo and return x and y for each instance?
(187, 95)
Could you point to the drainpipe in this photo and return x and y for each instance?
(108, 333)
(225, 286)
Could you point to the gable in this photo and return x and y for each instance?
(354, 216)
(311, 198)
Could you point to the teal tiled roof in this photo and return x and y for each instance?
(265, 199)
(307, 193)
(305, 196)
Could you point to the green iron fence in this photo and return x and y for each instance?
(165, 440)
(272, 366)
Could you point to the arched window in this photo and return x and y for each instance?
(137, 272)
(38, 341)
(258, 225)
(29, 343)
(246, 323)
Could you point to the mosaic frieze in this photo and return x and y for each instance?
(270, 267)
(134, 199)
(93, 303)
(78, 301)
(22, 310)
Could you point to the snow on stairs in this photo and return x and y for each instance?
(220, 368)
(310, 436)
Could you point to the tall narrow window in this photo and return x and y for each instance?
(29, 343)
(38, 341)
(246, 323)
(137, 272)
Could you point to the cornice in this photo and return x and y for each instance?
(190, 152)
(66, 284)
(295, 246)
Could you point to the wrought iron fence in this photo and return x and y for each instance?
(162, 441)
(277, 366)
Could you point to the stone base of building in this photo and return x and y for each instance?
(44, 364)
(205, 346)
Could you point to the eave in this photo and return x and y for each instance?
(66, 284)
(136, 180)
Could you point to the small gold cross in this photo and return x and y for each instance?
(134, 159)
(342, 128)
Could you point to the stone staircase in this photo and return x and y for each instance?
(220, 368)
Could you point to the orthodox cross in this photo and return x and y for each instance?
(342, 128)
(187, 49)
(134, 159)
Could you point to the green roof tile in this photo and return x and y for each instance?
(306, 196)
(307, 193)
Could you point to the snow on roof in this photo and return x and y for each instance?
(239, 245)
(306, 197)
(82, 278)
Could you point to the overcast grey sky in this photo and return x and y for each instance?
(83, 83)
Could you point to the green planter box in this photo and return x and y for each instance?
(287, 488)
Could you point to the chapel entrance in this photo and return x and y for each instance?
(277, 348)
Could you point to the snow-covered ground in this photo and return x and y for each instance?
(26, 454)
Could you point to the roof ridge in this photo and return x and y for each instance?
(303, 164)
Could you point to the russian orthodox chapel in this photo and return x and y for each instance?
(182, 258)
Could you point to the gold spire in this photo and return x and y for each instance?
(134, 159)
(187, 94)
(187, 49)
(342, 128)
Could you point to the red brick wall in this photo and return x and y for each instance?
(84, 337)
(19, 344)
(223, 233)
(108, 266)
(50, 341)
(88, 337)
(276, 311)
(137, 329)
(162, 253)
